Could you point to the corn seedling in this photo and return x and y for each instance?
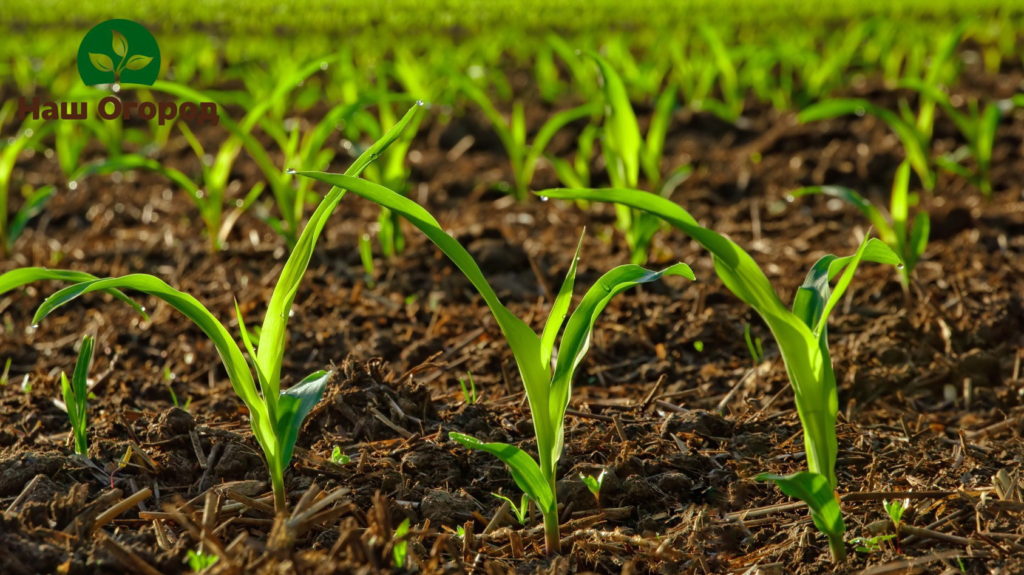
(366, 259)
(275, 415)
(627, 153)
(908, 239)
(594, 484)
(338, 457)
(199, 561)
(895, 510)
(520, 511)
(28, 136)
(76, 396)
(400, 545)
(801, 333)
(548, 382)
(468, 389)
(6, 373)
(522, 154)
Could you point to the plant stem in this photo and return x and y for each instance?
(551, 537)
(277, 484)
(838, 549)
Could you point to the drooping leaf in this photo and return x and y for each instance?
(23, 276)
(31, 208)
(814, 490)
(524, 469)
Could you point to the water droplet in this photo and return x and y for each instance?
(790, 198)
(900, 266)
(290, 171)
(420, 103)
(35, 326)
(239, 203)
(323, 65)
(200, 194)
(72, 185)
(29, 132)
(116, 88)
(544, 198)
(142, 308)
(291, 313)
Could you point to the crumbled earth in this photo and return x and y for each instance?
(931, 392)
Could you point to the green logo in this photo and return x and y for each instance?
(118, 51)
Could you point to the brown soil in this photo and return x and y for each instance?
(932, 398)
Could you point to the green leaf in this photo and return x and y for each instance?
(31, 208)
(231, 356)
(275, 323)
(559, 310)
(101, 62)
(22, 276)
(524, 469)
(814, 490)
(622, 132)
(873, 214)
(918, 243)
(120, 44)
(295, 404)
(524, 342)
(138, 62)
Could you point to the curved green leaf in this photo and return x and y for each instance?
(22, 276)
(525, 470)
(873, 214)
(814, 490)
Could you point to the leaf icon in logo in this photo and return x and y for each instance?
(138, 62)
(102, 62)
(120, 44)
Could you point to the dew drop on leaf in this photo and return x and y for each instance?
(900, 266)
(290, 171)
(544, 198)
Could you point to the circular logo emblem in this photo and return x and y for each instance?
(118, 51)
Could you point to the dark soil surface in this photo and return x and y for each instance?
(931, 392)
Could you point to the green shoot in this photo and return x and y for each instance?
(627, 153)
(521, 510)
(6, 373)
(366, 257)
(338, 457)
(76, 395)
(698, 345)
(276, 415)
(199, 561)
(870, 544)
(400, 545)
(28, 136)
(513, 135)
(814, 490)
(801, 333)
(895, 511)
(754, 347)
(908, 239)
(468, 391)
(548, 382)
(594, 484)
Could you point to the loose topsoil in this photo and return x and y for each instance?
(669, 401)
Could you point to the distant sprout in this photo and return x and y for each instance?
(76, 395)
(5, 375)
(870, 544)
(468, 391)
(594, 484)
(521, 510)
(400, 547)
(754, 346)
(895, 510)
(338, 457)
(26, 384)
(460, 531)
(176, 402)
(199, 561)
(366, 257)
(908, 238)
(698, 345)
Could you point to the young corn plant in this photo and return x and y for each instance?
(76, 396)
(28, 136)
(914, 129)
(907, 238)
(627, 153)
(547, 379)
(523, 155)
(800, 331)
(276, 415)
